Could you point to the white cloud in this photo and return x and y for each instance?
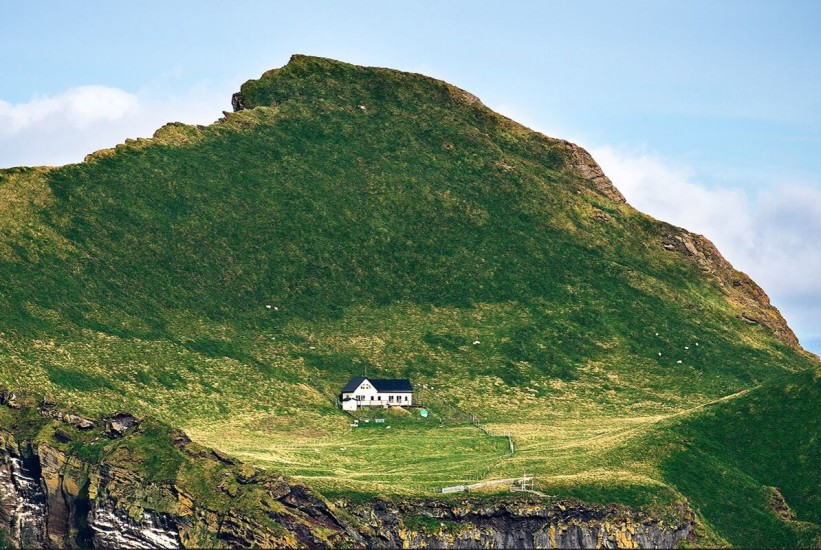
(76, 107)
(538, 121)
(63, 128)
(517, 113)
(774, 236)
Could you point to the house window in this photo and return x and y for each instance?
(379, 398)
(360, 397)
(390, 399)
(371, 398)
(406, 398)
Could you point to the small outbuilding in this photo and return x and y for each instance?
(376, 392)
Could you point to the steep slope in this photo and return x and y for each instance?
(229, 279)
(765, 451)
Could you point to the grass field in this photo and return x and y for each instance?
(228, 280)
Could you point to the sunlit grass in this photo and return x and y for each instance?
(230, 279)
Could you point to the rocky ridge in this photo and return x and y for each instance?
(509, 523)
(739, 288)
(582, 163)
(49, 496)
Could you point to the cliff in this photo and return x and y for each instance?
(514, 523)
(64, 485)
(51, 497)
(748, 297)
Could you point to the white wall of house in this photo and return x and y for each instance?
(367, 396)
(399, 398)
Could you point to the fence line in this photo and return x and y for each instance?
(444, 405)
(472, 418)
(521, 482)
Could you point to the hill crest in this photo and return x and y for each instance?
(280, 85)
(229, 279)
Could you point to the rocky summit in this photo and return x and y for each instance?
(180, 314)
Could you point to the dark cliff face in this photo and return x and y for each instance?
(514, 523)
(55, 492)
(23, 499)
(51, 497)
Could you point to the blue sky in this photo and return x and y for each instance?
(705, 114)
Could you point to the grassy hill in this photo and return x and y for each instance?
(229, 279)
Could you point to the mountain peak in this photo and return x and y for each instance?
(322, 82)
(320, 77)
(229, 279)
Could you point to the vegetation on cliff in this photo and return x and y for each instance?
(229, 279)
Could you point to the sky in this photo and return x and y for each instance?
(704, 114)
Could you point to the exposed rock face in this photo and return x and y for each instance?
(237, 102)
(741, 291)
(583, 164)
(49, 498)
(118, 424)
(22, 499)
(514, 524)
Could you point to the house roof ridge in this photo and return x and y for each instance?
(380, 384)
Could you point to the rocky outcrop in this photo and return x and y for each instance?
(742, 292)
(481, 523)
(118, 424)
(46, 502)
(22, 499)
(582, 163)
(51, 498)
(237, 102)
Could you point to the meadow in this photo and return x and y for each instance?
(228, 280)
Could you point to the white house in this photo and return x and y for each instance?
(376, 392)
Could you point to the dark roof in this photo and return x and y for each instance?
(391, 384)
(381, 384)
(353, 384)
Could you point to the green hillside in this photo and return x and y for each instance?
(229, 279)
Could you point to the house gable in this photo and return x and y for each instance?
(353, 384)
(378, 391)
